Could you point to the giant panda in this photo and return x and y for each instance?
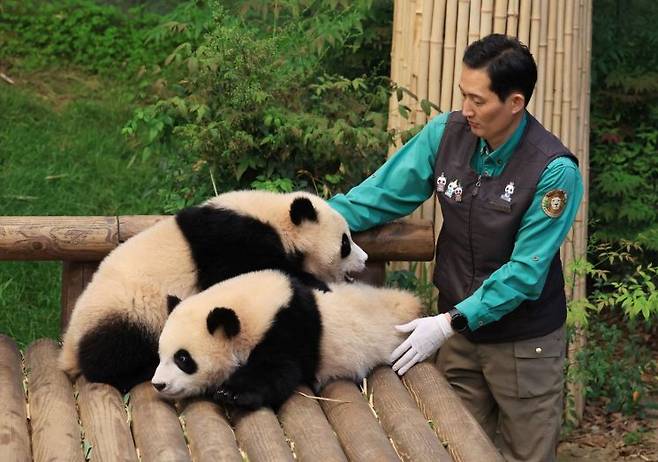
(112, 336)
(251, 340)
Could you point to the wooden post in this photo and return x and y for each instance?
(75, 277)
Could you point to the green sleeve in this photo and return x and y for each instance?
(399, 186)
(537, 241)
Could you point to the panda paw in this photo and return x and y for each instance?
(243, 399)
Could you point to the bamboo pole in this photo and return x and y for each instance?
(460, 46)
(393, 115)
(541, 65)
(549, 96)
(486, 17)
(417, 117)
(474, 21)
(525, 22)
(576, 76)
(436, 51)
(565, 111)
(500, 17)
(449, 56)
(559, 70)
(535, 26)
(424, 54)
(512, 17)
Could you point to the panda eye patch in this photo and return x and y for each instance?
(185, 362)
(345, 246)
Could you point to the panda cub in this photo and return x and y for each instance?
(252, 340)
(113, 333)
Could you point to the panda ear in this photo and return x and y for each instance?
(302, 209)
(172, 302)
(226, 318)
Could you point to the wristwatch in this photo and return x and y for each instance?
(458, 321)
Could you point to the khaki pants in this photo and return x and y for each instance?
(513, 389)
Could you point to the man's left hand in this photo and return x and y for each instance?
(428, 335)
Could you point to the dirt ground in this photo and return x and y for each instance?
(612, 437)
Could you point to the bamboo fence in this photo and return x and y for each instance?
(428, 44)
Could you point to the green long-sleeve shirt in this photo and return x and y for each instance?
(405, 181)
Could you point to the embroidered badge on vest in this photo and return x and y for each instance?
(441, 183)
(509, 190)
(553, 202)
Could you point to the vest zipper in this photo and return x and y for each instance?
(478, 183)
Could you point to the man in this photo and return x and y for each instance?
(498, 270)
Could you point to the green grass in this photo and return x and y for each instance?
(62, 153)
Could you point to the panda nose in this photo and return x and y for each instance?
(159, 385)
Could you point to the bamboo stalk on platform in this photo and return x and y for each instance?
(436, 51)
(512, 17)
(500, 16)
(565, 111)
(461, 41)
(486, 17)
(448, 56)
(535, 26)
(549, 96)
(474, 21)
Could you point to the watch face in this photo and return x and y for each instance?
(459, 322)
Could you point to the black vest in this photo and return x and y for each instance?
(480, 226)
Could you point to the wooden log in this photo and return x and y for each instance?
(14, 435)
(53, 416)
(307, 427)
(399, 240)
(412, 436)
(134, 224)
(452, 422)
(57, 238)
(163, 441)
(209, 433)
(105, 422)
(361, 436)
(75, 277)
(374, 274)
(260, 436)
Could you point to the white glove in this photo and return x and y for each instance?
(428, 335)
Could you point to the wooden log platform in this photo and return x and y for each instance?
(46, 417)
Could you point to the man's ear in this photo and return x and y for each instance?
(517, 101)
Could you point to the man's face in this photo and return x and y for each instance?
(488, 116)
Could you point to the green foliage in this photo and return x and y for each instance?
(623, 164)
(618, 281)
(62, 155)
(258, 107)
(611, 366)
(416, 279)
(94, 37)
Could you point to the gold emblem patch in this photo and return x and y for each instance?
(553, 202)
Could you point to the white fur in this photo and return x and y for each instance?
(135, 279)
(358, 329)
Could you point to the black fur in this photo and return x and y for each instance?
(120, 353)
(225, 244)
(302, 209)
(172, 302)
(226, 318)
(287, 356)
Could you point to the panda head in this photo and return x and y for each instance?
(312, 233)
(209, 335)
(321, 236)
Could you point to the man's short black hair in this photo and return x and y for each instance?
(509, 64)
